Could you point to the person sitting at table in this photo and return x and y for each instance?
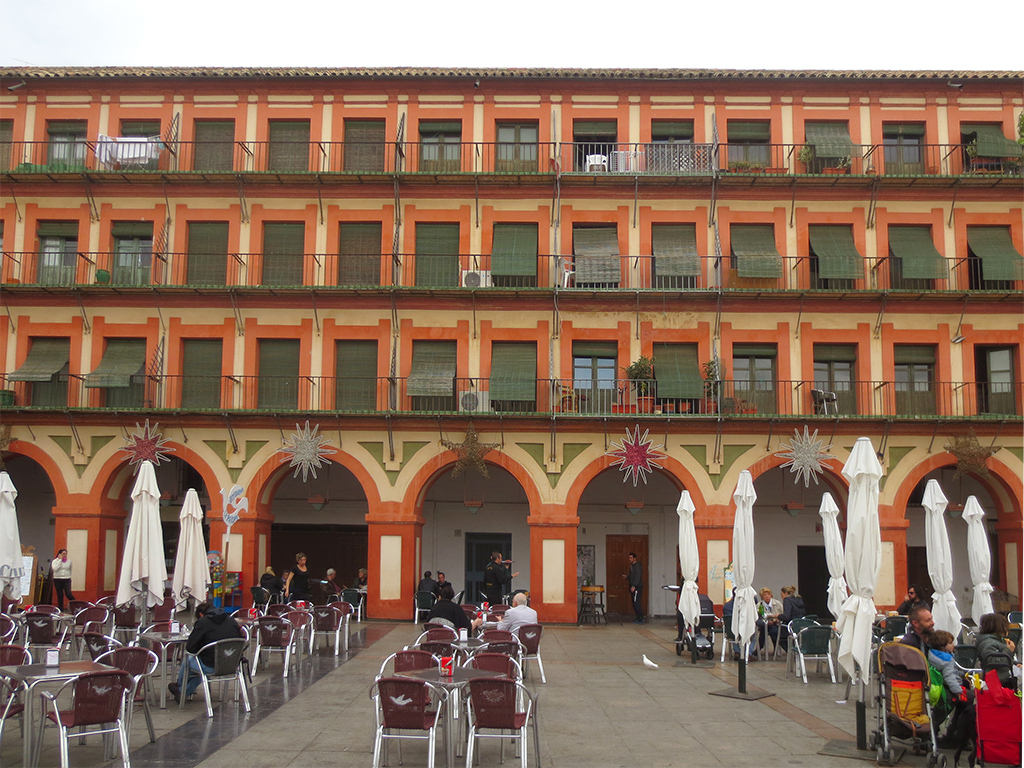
(912, 598)
(427, 584)
(331, 585)
(441, 580)
(769, 609)
(448, 613)
(212, 624)
(520, 613)
(792, 608)
(270, 582)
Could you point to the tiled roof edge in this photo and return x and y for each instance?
(502, 73)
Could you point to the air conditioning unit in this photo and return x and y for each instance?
(475, 401)
(476, 278)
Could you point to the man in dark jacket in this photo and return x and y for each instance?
(496, 579)
(635, 577)
(920, 630)
(427, 584)
(212, 624)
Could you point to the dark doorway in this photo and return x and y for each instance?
(917, 572)
(812, 579)
(342, 547)
(617, 549)
(479, 547)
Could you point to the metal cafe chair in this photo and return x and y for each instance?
(227, 668)
(407, 709)
(505, 706)
(97, 699)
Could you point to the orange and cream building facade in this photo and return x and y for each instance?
(405, 257)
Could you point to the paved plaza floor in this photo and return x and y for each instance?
(600, 708)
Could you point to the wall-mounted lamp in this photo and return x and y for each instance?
(317, 502)
(954, 510)
(634, 507)
(16, 86)
(951, 84)
(166, 499)
(473, 505)
(793, 507)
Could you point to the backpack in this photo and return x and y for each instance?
(938, 695)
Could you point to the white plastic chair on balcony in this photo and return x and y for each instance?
(596, 163)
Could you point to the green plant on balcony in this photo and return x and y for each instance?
(806, 154)
(641, 373)
(712, 380)
(746, 166)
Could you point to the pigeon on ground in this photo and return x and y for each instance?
(648, 662)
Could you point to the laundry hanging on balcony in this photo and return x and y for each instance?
(121, 151)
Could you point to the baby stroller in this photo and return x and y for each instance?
(904, 711)
(705, 625)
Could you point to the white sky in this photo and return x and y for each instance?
(723, 34)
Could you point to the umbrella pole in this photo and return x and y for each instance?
(862, 721)
(693, 644)
(743, 673)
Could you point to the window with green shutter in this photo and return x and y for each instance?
(359, 253)
(133, 252)
(288, 149)
(283, 246)
(513, 383)
(431, 382)
(903, 149)
(364, 145)
(596, 263)
(677, 372)
(440, 146)
(6, 145)
(834, 372)
(747, 142)
(914, 374)
(914, 261)
(67, 145)
(207, 253)
(514, 255)
(278, 384)
(831, 141)
(516, 148)
(754, 254)
(594, 140)
(355, 372)
(835, 261)
(58, 252)
(1001, 264)
(201, 365)
(754, 385)
(437, 255)
(214, 146)
(46, 369)
(121, 373)
(676, 262)
(989, 141)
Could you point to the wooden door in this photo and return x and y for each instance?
(617, 549)
(812, 580)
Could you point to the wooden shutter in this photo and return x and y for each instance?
(283, 244)
(514, 251)
(836, 252)
(513, 371)
(356, 375)
(675, 250)
(359, 253)
(677, 371)
(437, 255)
(6, 142)
(914, 248)
(214, 145)
(45, 357)
(278, 385)
(829, 140)
(122, 359)
(289, 145)
(364, 145)
(433, 369)
(207, 253)
(999, 257)
(201, 363)
(754, 248)
(597, 256)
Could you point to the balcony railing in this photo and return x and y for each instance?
(564, 397)
(612, 158)
(486, 272)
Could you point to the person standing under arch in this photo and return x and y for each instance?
(496, 579)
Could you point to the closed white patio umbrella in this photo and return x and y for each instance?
(11, 564)
(940, 562)
(744, 611)
(979, 558)
(863, 558)
(143, 570)
(191, 568)
(834, 556)
(689, 560)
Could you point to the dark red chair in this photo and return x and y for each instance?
(97, 699)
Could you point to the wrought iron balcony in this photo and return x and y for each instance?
(563, 397)
(487, 272)
(610, 158)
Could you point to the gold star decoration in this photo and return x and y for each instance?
(471, 452)
(5, 441)
(970, 455)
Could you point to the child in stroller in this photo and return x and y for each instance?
(957, 697)
(904, 710)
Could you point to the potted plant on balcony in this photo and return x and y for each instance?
(840, 165)
(745, 166)
(641, 375)
(806, 156)
(712, 385)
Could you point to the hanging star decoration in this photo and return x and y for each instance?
(5, 441)
(806, 458)
(471, 452)
(147, 444)
(636, 456)
(970, 455)
(305, 449)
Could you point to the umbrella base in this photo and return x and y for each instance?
(732, 693)
(698, 665)
(838, 748)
